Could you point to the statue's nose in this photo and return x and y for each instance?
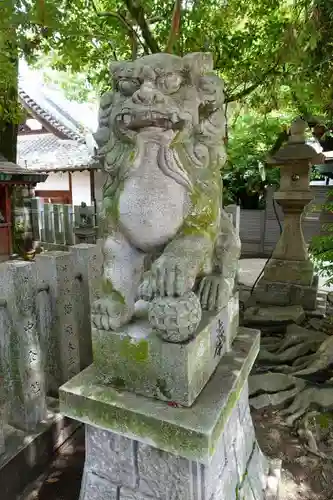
(148, 94)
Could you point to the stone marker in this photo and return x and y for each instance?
(55, 273)
(83, 254)
(166, 398)
(21, 350)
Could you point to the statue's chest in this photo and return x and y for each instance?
(152, 207)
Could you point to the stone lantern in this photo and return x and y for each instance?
(288, 277)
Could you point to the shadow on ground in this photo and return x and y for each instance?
(305, 476)
(62, 480)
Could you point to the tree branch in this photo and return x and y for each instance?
(251, 88)
(175, 26)
(131, 31)
(137, 13)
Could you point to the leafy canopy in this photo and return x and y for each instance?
(257, 44)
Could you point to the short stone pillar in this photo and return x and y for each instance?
(58, 317)
(288, 277)
(20, 346)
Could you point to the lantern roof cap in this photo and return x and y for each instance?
(298, 148)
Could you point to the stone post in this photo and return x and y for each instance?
(4, 370)
(58, 214)
(289, 275)
(83, 254)
(36, 211)
(68, 224)
(55, 274)
(21, 347)
(49, 223)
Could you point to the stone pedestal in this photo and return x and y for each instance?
(145, 364)
(138, 448)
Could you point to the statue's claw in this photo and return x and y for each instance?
(169, 277)
(214, 292)
(109, 314)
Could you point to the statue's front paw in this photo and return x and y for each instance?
(168, 277)
(108, 314)
(214, 292)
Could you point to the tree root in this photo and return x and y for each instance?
(278, 388)
(305, 433)
(321, 360)
(289, 354)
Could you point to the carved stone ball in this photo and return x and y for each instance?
(175, 318)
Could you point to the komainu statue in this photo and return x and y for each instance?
(167, 240)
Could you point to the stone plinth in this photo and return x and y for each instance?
(280, 293)
(136, 359)
(140, 448)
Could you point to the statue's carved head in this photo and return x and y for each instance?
(163, 97)
(164, 92)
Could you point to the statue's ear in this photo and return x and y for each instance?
(199, 63)
(114, 67)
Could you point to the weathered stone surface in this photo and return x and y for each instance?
(60, 338)
(274, 314)
(111, 456)
(135, 358)
(172, 237)
(83, 254)
(20, 349)
(189, 432)
(49, 232)
(162, 475)
(126, 494)
(97, 488)
(278, 293)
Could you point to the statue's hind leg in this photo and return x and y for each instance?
(122, 272)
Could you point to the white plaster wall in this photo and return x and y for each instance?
(81, 188)
(54, 182)
(59, 182)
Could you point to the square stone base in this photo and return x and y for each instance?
(279, 293)
(143, 449)
(299, 272)
(136, 359)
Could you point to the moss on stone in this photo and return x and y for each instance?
(108, 413)
(134, 351)
(108, 289)
(163, 388)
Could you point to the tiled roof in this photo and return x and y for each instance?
(67, 119)
(47, 152)
(17, 172)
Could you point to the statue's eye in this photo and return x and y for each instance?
(169, 83)
(127, 86)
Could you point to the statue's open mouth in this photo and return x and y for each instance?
(147, 119)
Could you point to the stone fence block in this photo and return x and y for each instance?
(95, 268)
(56, 275)
(20, 345)
(83, 254)
(68, 224)
(49, 232)
(58, 219)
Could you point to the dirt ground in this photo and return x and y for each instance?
(305, 476)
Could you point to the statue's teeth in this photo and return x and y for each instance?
(126, 119)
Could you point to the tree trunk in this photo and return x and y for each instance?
(8, 83)
(8, 141)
